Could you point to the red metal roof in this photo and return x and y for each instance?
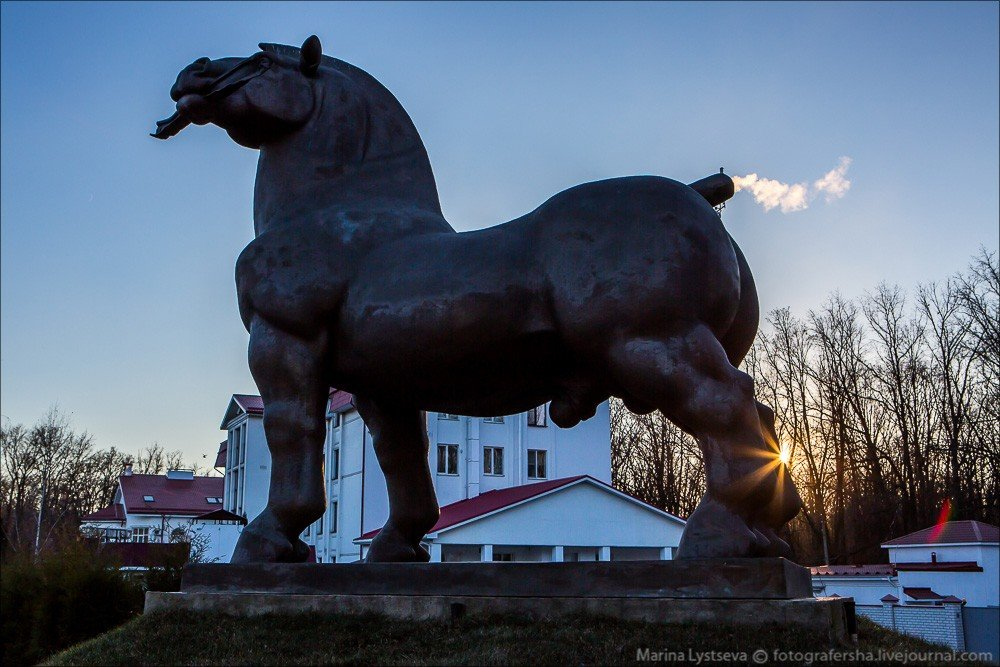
(922, 594)
(220, 458)
(110, 513)
(253, 405)
(876, 570)
(491, 501)
(952, 532)
(170, 496)
(339, 399)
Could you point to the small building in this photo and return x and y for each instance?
(508, 477)
(941, 583)
(571, 519)
(178, 507)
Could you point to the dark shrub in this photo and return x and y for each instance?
(70, 594)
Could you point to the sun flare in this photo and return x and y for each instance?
(785, 455)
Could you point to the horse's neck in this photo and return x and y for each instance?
(346, 161)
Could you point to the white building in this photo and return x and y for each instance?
(514, 487)
(176, 508)
(941, 583)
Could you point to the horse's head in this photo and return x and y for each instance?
(255, 100)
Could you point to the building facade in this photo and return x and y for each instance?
(941, 583)
(470, 458)
(178, 507)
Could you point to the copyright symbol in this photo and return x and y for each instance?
(759, 656)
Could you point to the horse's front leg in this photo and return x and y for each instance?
(400, 439)
(289, 372)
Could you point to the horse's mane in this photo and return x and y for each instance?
(329, 61)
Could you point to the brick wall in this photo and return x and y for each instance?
(937, 624)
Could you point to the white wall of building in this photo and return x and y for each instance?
(575, 517)
(356, 484)
(864, 590)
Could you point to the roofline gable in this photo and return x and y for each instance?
(573, 482)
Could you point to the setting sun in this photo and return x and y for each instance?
(785, 456)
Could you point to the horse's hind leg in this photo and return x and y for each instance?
(689, 378)
(289, 373)
(399, 436)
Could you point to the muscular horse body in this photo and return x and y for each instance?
(628, 287)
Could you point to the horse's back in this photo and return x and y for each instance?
(643, 250)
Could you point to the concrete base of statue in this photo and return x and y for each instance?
(739, 591)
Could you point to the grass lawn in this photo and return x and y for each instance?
(211, 638)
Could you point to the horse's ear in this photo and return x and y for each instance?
(310, 55)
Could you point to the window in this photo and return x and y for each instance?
(445, 415)
(335, 464)
(536, 464)
(148, 499)
(213, 500)
(536, 416)
(447, 460)
(335, 420)
(309, 530)
(333, 518)
(319, 525)
(503, 558)
(492, 460)
(493, 420)
(140, 534)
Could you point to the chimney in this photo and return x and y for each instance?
(180, 474)
(128, 469)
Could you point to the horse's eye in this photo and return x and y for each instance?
(265, 62)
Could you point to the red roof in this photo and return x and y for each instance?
(922, 594)
(952, 532)
(876, 570)
(490, 501)
(110, 513)
(339, 399)
(253, 405)
(220, 458)
(170, 496)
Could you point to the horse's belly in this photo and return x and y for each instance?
(448, 339)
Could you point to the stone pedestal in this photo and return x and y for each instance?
(748, 591)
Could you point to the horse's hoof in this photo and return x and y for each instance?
(389, 546)
(262, 542)
(715, 531)
(775, 547)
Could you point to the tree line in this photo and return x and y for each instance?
(52, 475)
(888, 407)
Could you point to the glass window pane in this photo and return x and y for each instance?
(498, 461)
(453, 459)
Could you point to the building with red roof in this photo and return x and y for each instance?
(511, 487)
(174, 507)
(941, 583)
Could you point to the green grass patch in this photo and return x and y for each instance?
(172, 638)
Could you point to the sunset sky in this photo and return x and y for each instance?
(116, 287)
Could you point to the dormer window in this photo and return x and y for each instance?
(148, 499)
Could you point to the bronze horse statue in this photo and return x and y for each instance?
(628, 287)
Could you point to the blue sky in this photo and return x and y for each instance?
(117, 296)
